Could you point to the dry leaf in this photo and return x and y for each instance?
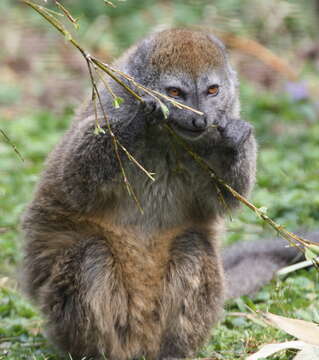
(292, 268)
(302, 330)
(309, 352)
(271, 349)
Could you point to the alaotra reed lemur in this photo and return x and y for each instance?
(112, 281)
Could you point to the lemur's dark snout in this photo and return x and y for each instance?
(192, 126)
(200, 122)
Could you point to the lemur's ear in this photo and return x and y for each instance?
(135, 60)
(225, 55)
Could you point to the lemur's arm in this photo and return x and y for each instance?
(233, 157)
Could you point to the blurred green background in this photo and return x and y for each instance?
(43, 79)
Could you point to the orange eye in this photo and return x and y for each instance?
(213, 90)
(174, 92)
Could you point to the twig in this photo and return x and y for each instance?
(293, 239)
(89, 60)
(106, 84)
(67, 14)
(12, 145)
(153, 93)
(129, 155)
(106, 69)
(114, 140)
(103, 66)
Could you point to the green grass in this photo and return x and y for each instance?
(34, 136)
(286, 184)
(287, 181)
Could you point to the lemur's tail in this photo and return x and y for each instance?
(250, 265)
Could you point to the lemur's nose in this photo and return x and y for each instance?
(200, 122)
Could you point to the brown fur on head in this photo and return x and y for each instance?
(186, 50)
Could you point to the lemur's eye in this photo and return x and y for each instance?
(213, 90)
(174, 92)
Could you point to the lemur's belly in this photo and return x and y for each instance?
(155, 283)
(133, 285)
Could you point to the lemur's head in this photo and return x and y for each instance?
(192, 67)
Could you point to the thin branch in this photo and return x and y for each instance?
(89, 60)
(103, 66)
(151, 92)
(130, 156)
(294, 239)
(128, 185)
(107, 70)
(67, 14)
(12, 145)
(105, 82)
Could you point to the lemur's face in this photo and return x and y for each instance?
(212, 92)
(192, 68)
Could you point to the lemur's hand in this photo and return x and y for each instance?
(153, 110)
(234, 132)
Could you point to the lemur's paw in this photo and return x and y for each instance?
(234, 132)
(152, 109)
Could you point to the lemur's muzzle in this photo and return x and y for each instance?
(193, 123)
(200, 122)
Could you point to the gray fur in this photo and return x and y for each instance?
(252, 264)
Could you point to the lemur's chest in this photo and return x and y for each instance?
(180, 193)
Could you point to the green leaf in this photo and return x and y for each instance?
(244, 302)
(165, 110)
(98, 130)
(117, 102)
